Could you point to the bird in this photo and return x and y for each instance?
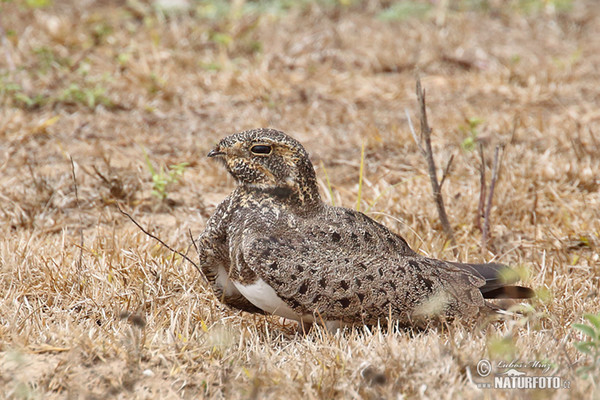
(274, 247)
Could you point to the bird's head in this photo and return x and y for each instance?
(269, 160)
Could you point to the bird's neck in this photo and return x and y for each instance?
(301, 199)
(305, 190)
(300, 193)
(306, 196)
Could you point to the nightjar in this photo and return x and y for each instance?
(273, 246)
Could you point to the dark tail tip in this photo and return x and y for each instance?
(509, 292)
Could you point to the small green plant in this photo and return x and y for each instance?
(162, 178)
(31, 102)
(402, 10)
(19, 98)
(471, 130)
(91, 97)
(46, 59)
(591, 346)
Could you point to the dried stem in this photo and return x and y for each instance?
(427, 153)
(193, 241)
(185, 257)
(79, 208)
(482, 189)
(488, 207)
(102, 177)
(446, 171)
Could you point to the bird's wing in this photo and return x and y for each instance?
(343, 265)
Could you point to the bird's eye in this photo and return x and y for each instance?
(261, 149)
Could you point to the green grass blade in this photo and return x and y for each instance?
(148, 162)
(585, 329)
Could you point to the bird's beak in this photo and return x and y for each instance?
(216, 152)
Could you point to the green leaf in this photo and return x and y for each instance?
(474, 122)
(468, 144)
(594, 320)
(586, 330)
(22, 97)
(584, 347)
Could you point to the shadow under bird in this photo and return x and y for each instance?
(273, 246)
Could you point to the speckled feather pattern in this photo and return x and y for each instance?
(331, 262)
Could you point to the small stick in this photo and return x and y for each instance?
(447, 170)
(427, 153)
(488, 208)
(79, 208)
(482, 189)
(102, 177)
(412, 132)
(193, 241)
(185, 257)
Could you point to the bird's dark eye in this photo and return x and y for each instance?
(261, 149)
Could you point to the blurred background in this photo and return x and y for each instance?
(119, 101)
(136, 92)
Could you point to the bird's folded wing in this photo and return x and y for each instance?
(325, 272)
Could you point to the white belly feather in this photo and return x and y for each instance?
(264, 297)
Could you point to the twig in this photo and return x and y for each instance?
(447, 170)
(427, 153)
(193, 241)
(102, 177)
(482, 189)
(185, 257)
(488, 207)
(79, 208)
(412, 132)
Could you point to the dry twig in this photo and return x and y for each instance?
(482, 189)
(427, 153)
(185, 257)
(79, 208)
(488, 207)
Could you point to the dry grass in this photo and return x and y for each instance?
(92, 308)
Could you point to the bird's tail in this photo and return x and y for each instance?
(499, 280)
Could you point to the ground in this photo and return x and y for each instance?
(112, 102)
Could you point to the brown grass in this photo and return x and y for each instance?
(90, 307)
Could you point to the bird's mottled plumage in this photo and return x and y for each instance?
(273, 246)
